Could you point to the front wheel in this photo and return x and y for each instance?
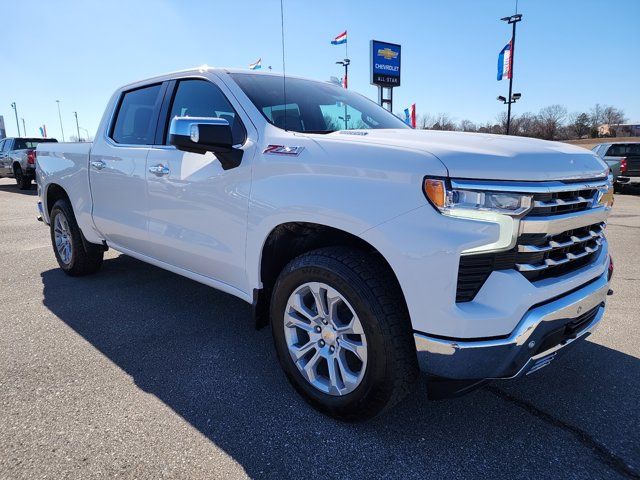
(75, 255)
(342, 332)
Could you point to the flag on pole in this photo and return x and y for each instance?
(43, 131)
(340, 39)
(344, 81)
(410, 115)
(257, 65)
(505, 61)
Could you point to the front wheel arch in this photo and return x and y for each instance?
(292, 239)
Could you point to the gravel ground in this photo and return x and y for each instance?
(139, 373)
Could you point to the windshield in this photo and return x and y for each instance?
(313, 107)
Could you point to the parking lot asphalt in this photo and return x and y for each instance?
(138, 373)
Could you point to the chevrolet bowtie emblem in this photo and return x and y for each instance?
(387, 53)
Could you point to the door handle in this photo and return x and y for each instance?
(159, 170)
(98, 164)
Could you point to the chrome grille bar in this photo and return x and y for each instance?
(596, 232)
(556, 202)
(553, 262)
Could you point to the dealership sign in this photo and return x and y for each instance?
(385, 64)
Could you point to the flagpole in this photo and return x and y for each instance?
(512, 20)
(511, 57)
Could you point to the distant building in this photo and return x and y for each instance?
(619, 130)
(3, 132)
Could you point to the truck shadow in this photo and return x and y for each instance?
(196, 350)
(13, 188)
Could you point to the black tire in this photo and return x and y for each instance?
(372, 290)
(85, 258)
(23, 181)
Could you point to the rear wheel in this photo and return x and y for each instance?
(74, 254)
(342, 332)
(23, 180)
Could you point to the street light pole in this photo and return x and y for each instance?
(513, 19)
(60, 117)
(77, 125)
(345, 63)
(15, 110)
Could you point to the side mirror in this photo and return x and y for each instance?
(205, 134)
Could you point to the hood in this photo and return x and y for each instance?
(490, 157)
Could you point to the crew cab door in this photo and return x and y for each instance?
(197, 210)
(117, 167)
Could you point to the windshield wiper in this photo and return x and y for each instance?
(322, 132)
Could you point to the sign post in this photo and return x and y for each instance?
(385, 70)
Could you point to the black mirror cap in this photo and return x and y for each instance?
(211, 138)
(207, 135)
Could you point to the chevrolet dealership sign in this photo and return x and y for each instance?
(385, 64)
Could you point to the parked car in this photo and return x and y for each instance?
(371, 248)
(624, 160)
(18, 159)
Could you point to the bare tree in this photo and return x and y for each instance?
(443, 122)
(596, 116)
(424, 122)
(579, 124)
(613, 116)
(467, 126)
(550, 119)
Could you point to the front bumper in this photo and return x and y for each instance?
(542, 334)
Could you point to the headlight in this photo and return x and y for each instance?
(471, 203)
(503, 208)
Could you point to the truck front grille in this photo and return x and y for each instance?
(557, 203)
(540, 255)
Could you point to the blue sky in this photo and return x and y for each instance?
(574, 52)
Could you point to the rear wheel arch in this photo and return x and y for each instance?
(54, 193)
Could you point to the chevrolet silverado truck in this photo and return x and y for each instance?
(373, 250)
(623, 159)
(18, 159)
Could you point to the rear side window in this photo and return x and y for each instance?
(200, 98)
(30, 143)
(623, 150)
(136, 118)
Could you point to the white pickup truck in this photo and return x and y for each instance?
(371, 248)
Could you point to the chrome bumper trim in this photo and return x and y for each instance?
(510, 357)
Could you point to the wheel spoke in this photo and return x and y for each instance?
(335, 382)
(299, 352)
(357, 348)
(349, 379)
(310, 367)
(319, 297)
(294, 322)
(296, 304)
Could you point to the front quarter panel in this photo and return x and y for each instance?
(348, 186)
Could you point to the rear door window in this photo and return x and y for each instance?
(137, 115)
(624, 149)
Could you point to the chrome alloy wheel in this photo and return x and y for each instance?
(325, 338)
(62, 237)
